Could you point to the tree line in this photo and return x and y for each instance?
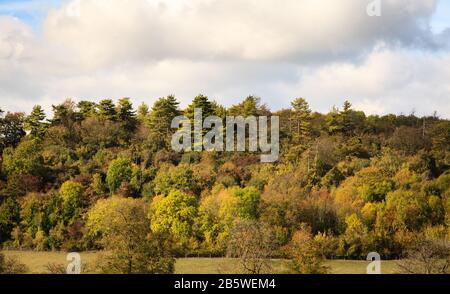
(103, 176)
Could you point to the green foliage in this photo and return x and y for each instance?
(107, 110)
(25, 159)
(87, 108)
(409, 209)
(174, 178)
(125, 111)
(122, 227)
(119, 171)
(248, 201)
(354, 240)
(9, 218)
(174, 214)
(301, 120)
(251, 106)
(126, 115)
(201, 102)
(72, 194)
(11, 129)
(35, 122)
(98, 134)
(160, 120)
(219, 211)
(143, 112)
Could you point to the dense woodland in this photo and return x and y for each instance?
(96, 176)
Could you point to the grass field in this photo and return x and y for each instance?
(37, 261)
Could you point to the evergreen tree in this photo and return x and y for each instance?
(203, 103)
(334, 121)
(162, 114)
(64, 114)
(86, 108)
(125, 110)
(301, 120)
(251, 106)
(107, 110)
(126, 114)
(143, 112)
(348, 119)
(35, 122)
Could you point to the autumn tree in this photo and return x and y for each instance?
(174, 178)
(25, 159)
(353, 243)
(219, 211)
(304, 253)
(71, 194)
(174, 214)
(121, 226)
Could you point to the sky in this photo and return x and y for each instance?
(326, 51)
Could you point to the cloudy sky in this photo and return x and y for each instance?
(324, 50)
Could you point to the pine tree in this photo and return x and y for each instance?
(127, 116)
(64, 114)
(143, 112)
(219, 110)
(86, 108)
(107, 110)
(35, 122)
(334, 121)
(125, 111)
(301, 120)
(251, 106)
(160, 119)
(347, 118)
(203, 103)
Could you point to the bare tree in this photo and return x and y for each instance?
(253, 244)
(427, 257)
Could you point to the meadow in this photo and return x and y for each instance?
(37, 264)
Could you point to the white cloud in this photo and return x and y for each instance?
(323, 50)
(388, 81)
(102, 32)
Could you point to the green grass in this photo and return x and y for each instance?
(37, 261)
